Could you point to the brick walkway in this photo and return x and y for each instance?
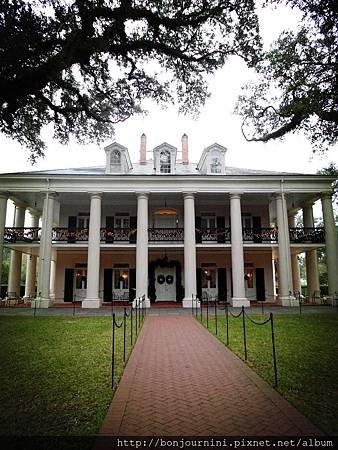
(181, 381)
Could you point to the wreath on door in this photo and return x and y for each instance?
(160, 279)
(169, 279)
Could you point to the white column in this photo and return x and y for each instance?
(14, 276)
(331, 244)
(311, 260)
(190, 289)
(3, 209)
(45, 254)
(237, 256)
(142, 247)
(52, 282)
(92, 299)
(294, 261)
(31, 264)
(284, 260)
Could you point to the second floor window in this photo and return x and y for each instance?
(115, 158)
(216, 166)
(165, 162)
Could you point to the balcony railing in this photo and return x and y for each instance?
(110, 235)
(166, 234)
(260, 235)
(307, 235)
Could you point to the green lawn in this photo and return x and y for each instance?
(307, 360)
(56, 374)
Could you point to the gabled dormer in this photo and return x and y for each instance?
(212, 161)
(165, 159)
(117, 159)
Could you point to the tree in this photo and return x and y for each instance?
(297, 87)
(84, 65)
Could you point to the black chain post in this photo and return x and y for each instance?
(124, 333)
(36, 301)
(273, 349)
(262, 308)
(136, 318)
(73, 305)
(201, 311)
(227, 323)
(300, 304)
(113, 353)
(216, 316)
(131, 325)
(208, 311)
(244, 334)
(192, 304)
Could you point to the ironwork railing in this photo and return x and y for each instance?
(307, 235)
(22, 234)
(260, 235)
(111, 235)
(165, 234)
(71, 235)
(220, 235)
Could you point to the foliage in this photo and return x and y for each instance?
(56, 374)
(332, 170)
(85, 65)
(306, 348)
(296, 89)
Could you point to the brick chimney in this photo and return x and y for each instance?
(185, 154)
(143, 149)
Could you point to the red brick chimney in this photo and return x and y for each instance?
(185, 154)
(143, 149)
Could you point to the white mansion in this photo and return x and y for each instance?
(166, 228)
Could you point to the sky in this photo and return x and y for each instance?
(216, 123)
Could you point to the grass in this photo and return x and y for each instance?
(56, 374)
(307, 360)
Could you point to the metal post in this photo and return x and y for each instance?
(262, 308)
(216, 315)
(136, 318)
(36, 300)
(73, 305)
(124, 333)
(113, 353)
(201, 311)
(131, 325)
(273, 349)
(208, 311)
(244, 334)
(192, 304)
(139, 317)
(227, 322)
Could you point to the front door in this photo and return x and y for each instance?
(165, 284)
(80, 284)
(209, 281)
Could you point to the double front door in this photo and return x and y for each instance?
(165, 284)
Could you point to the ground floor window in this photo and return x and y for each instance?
(121, 278)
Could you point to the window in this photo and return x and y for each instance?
(122, 222)
(216, 166)
(208, 222)
(208, 278)
(115, 157)
(165, 161)
(249, 278)
(121, 279)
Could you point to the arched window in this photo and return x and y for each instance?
(115, 157)
(216, 166)
(165, 161)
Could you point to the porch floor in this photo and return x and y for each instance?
(180, 380)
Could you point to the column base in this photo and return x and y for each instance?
(288, 300)
(91, 302)
(41, 303)
(187, 302)
(239, 302)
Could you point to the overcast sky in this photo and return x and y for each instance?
(216, 123)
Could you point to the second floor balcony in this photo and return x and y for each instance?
(299, 235)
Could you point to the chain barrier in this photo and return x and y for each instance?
(139, 311)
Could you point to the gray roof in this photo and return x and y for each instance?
(148, 169)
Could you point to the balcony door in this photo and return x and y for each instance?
(164, 221)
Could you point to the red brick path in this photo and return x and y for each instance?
(181, 381)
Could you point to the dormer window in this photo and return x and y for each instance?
(212, 161)
(165, 164)
(165, 159)
(117, 159)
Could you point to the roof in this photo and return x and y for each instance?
(148, 169)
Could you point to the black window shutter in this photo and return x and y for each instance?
(260, 284)
(108, 285)
(69, 285)
(199, 283)
(132, 284)
(222, 284)
(198, 230)
(72, 228)
(257, 229)
(109, 229)
(220, 223)
(133, 227)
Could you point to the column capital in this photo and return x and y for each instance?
(4, 195)
(20, 204)
(142, 194)
(189, 194)
(235, 195)
(95, 195)
(326, 195)
(49, 194)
